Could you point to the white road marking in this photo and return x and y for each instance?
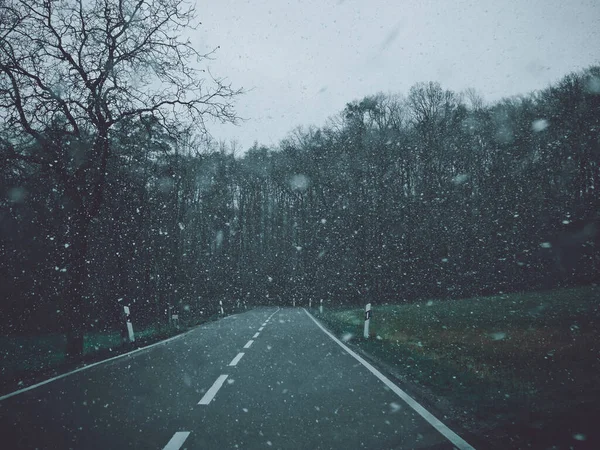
(264, 324)
(261, 328)
(236, 360)
(255, 335)
(210, 394)
(248, 344)
(89, 366)
(433, 421)
(177, 440)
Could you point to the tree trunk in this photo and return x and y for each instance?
(75, 313)
(85, 209)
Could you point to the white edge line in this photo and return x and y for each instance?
(236, 360)
(430, 418)
(210, 394)
(177, 440)
(249, 343)
(255, 335)
(89, 366)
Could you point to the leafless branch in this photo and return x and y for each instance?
(85, 66)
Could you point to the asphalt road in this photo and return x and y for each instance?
(294, 387)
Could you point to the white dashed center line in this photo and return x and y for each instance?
(177, 440)
(261, 328)
(248, 344)
(255, 335)
(236, 360)
(210, 394)
(264, 324)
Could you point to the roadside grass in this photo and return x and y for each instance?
(25, 360)
(24, 353)
(516, 369)
(28, 359)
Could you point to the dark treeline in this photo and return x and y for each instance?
(430, 195)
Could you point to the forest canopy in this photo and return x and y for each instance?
(430, 194)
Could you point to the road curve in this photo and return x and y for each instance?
(267, 379)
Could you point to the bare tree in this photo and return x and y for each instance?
(432, 110)
(71, 71)
(474, 98)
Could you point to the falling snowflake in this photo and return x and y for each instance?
(539, 125)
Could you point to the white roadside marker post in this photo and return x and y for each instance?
(129, 325)
(310, 302)
(321, 307)
(367, 320)
(221, 306)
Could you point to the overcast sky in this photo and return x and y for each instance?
(302, 61)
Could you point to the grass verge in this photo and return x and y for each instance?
(26, 360)
(518, 370)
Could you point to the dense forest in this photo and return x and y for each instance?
(432, 194)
